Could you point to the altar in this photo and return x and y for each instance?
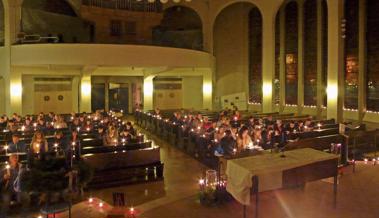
(270, 171)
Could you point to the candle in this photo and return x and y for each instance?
(319, 125)
(234, 150)
(90, 200)
(7, 167)
(78, 129)
(101, 204)
(72, 118)
(38, 148)
(123, 140)
(35, 125)
(131, 210)
(88, 129)
(22, 128)
(6, 149)
(365, 160)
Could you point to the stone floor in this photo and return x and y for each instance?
(176, 196)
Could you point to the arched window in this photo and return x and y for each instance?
(291, 52)
(351, 54)
(181, 27)
(255, 56)
(372, 7)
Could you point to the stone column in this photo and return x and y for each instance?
(85, 91)
(300, 57)
(268, 65)
(208, 90)
(362, 87)
(320, 60)
(335, 60)
(148, 93)
(282, 59)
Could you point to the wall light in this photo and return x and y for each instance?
(332, 91)
(207, 88)
(86, 89)
(267, 89)
(16, 90)
(148, 88)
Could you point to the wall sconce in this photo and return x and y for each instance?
(86, 89)
(16, 90)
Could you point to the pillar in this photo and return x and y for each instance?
(320, 60)
(12, 80)
(282, 59)
(85, 91)
(268, 65)
(75, 87)
(106, 93)
(300, 57)
(148, 89)
(362, 98)
(208, 91)
(15, 89)
(335, 60)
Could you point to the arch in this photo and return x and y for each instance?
(228, 4)
(238, 50)
(180, 27)
(54, 18)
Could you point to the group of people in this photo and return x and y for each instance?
(230, 133)
(63, 139)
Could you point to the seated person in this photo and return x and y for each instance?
(125, 136)
(130, 128)
(244, 140)
(59, 142)
(73, 147)
(228, 143)
(16, 146)
(39, 144)
(10, 185)
(60, 123)
(111, 137)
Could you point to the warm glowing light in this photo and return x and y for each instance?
(332, 92)
(90, 200)
(267, 89)
(207, 88)
(201, 181)
(86, 88)
(16, 90)
(101, 204)
(148, 88)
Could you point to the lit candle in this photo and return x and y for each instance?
(78, 129)
(90, 200)
(38, 148)
(6, 149)
(72, 118)
(123, 140)
(319, 125)
(365, 160)
(35, 125)
(234, 150)
(131, 210)
(88, 129)
(22, 128)
(101, 204)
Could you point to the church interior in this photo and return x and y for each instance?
(189, 108)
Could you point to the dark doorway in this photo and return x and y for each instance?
(119, 97)
(98, 97)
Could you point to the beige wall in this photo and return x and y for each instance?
(192, 92)
(231, 50)
(168, 99)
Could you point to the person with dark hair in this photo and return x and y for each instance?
(59, 142)
(227, 143)
(16, 146)
(10, 185)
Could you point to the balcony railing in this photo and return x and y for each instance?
(130, 5)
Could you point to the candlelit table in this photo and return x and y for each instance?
(271, 171)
